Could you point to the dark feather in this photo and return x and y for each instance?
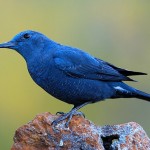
(126, 72)
(77, 64)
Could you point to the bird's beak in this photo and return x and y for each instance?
(7, 45)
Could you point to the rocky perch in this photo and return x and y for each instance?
(82, 134)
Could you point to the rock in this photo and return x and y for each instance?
(82, 134)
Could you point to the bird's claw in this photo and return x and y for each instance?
(54, 123)
(65, 116)
(61, 118)
(77, 113)
(60, 113)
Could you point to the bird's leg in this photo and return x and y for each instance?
(70, 114)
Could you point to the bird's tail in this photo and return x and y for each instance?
(125, 91)
(142, 95)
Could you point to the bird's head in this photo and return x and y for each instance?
(27, 43)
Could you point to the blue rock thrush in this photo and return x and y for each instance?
(70, 74)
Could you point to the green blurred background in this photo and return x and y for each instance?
(116, 31)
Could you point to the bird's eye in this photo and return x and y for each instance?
(26, 36)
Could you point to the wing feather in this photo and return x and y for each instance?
(76, 63)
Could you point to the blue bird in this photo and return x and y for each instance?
(70, 74)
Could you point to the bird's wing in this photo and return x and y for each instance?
(79, 64)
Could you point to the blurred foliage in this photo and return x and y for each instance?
(115, 31)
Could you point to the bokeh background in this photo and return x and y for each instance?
(116, 31)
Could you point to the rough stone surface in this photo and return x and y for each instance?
(81, 135)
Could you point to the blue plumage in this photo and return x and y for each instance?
(70, 74)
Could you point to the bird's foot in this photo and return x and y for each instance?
(70, 114)
(77, 113)
(64, 116)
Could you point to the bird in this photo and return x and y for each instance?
(71, 74)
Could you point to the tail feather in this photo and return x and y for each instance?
(125, 91)
(142, 95)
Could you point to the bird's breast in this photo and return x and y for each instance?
(54, 82)
(66, 88)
